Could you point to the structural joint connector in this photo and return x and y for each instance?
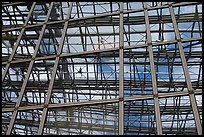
(24, 26)
(121, 47)
(46, 106)
(179, 40)
(170, 4)
(16, 108)
(149, 44)
(121, 99)
(191, 91)
(155, 95)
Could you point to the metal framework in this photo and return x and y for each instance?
(106, 68)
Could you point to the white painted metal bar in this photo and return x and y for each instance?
(121, 73)
(153, 73)
(186, 73)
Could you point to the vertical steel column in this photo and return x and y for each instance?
(45, 109)
(11, 124)
(186, 72)
(18, 41)
(121, 73)
(153, 73)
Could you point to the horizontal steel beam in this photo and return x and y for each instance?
(114, 21)
(102, 15)
(95, 85)
(103, 50)
(106, 101)
(34, 36)
(12, 4)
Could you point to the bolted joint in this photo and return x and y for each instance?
(46, 106)
(121, 47)
(155, 95)
(149, 44)
(191, 91)
(145, 8)
(23, 26)
(16, 108)
(170, 4)
(179, 40)
(121, 99)
(57, 55)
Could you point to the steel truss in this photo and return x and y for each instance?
(127, 68)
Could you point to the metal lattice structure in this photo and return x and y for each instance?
(102, 68)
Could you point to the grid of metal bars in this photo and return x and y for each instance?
(101, 68)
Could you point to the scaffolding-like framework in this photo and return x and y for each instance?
(102, 68)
